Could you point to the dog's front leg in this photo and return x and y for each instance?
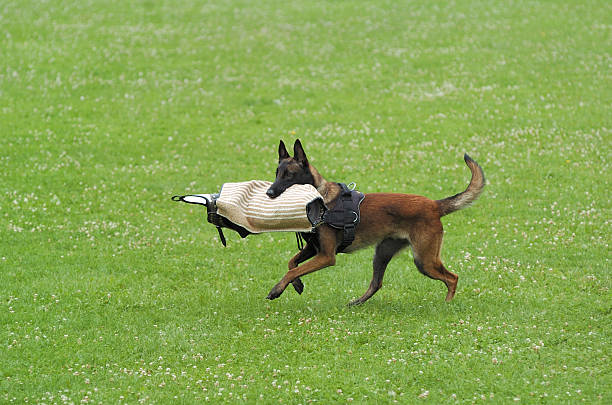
(325, 257)
(306, 253)
(320, 261)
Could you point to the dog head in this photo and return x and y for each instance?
(290, 170)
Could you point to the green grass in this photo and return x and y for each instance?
(112, 293)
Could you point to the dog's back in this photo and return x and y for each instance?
(393, 215)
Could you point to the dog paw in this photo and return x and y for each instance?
(275, 292)
(355, 302)
(298, 285)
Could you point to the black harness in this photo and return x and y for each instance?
(345, 215)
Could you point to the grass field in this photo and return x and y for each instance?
(112, 293)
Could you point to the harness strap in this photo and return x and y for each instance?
(350, 218)
(300, 240)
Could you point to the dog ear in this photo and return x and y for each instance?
(282, 151)
(299, 154)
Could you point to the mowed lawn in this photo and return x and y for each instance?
(112, 293)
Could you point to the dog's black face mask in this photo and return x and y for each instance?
(290, 170)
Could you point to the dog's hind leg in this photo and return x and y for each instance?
(426, 252)
(437, 271)
(306, 253)
(385, 251)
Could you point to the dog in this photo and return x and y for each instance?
(390, 221)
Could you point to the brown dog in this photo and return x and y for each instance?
(392, 222)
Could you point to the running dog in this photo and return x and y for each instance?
(390, 221)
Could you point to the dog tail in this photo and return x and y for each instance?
(471, 193)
